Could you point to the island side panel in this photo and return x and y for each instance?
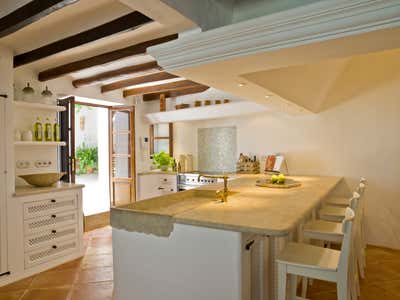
(192, 263)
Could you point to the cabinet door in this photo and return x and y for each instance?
(148, 185)
(3, 232)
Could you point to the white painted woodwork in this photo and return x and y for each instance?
(38, 144)
(302, 25)
(36, 105)
(193, 262)
(207, 112)
(47, 230)
(154, 185)
(3, 191)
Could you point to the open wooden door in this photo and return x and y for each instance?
(122, 155)
(67, 128)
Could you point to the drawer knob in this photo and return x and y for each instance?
(165, 179)
(54, 231)
(53, 200)
(53, 216)
(54, 247)
(160, 188)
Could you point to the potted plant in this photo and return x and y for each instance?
(87, 158)
(162, 160)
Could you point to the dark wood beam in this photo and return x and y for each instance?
(29, 13)
(102, 58)
(128, 22)
(98, 78)
(176, 92)
(137, 80)
(159, 88)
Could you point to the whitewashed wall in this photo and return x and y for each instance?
(359, 137)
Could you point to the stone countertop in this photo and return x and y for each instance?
(250, 208)
(21, 191)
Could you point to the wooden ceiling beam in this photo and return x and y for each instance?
(98, 78)
(102, 59)
(137, 80)
(125, 23)
(29, 13)
(176, 92)
(159, 88)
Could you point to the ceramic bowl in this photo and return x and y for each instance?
(42, 180)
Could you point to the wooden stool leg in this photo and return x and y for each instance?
(281, 281)
(293, 287)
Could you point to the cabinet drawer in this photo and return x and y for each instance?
(50, 252)
(49, 206)
(50, 237)
(168, 180)
(50, 222)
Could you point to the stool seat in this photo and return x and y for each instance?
(338, 201)
(305, 255)
(332, 213)
(323, 230)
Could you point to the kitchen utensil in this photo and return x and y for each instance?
(47, 96)
(17, 135)
(289, 183)
(28, 93)
(27, 136)
(182, 161)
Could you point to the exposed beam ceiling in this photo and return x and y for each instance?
(102, 58)
(137, 80)
(128, 22)
(176, 92)
(98, 78)
(30, 13)
(159, 88)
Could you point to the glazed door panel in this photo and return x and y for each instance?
(122, 155)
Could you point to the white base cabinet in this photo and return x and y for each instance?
(152, 185)
(47, 231)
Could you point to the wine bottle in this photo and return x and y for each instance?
(38, 130)
(56, 131)
(48, 133)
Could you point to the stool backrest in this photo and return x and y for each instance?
(360, 189)
(353, 202)
(347, 229)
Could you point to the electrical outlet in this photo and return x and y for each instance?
(23, 164)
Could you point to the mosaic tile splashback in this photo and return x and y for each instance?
(217, 149)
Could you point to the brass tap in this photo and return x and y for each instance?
(222, 194)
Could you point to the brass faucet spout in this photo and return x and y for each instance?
(223, 194)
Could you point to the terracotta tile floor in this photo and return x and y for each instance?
(91, 277)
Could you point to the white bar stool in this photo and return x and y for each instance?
(341, 200)
(299, 259)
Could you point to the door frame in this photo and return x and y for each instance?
(132, 148)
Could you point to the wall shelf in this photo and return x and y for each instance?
(206, 112)
(39, 106)
(39, 144)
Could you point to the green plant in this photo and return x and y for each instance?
(88, 158)
(79, 107)
(162, 160)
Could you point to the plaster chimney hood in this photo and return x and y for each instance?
(238, 58)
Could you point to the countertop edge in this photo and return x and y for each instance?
(28, 190)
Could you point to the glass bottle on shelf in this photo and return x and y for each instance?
(56, 131)
(48, 132)
(38, 130)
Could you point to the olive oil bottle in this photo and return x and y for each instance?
(56, 131)
(48, 131)
(38, 130)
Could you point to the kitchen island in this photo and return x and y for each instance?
(189, 245)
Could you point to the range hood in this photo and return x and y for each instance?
(294, 60)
